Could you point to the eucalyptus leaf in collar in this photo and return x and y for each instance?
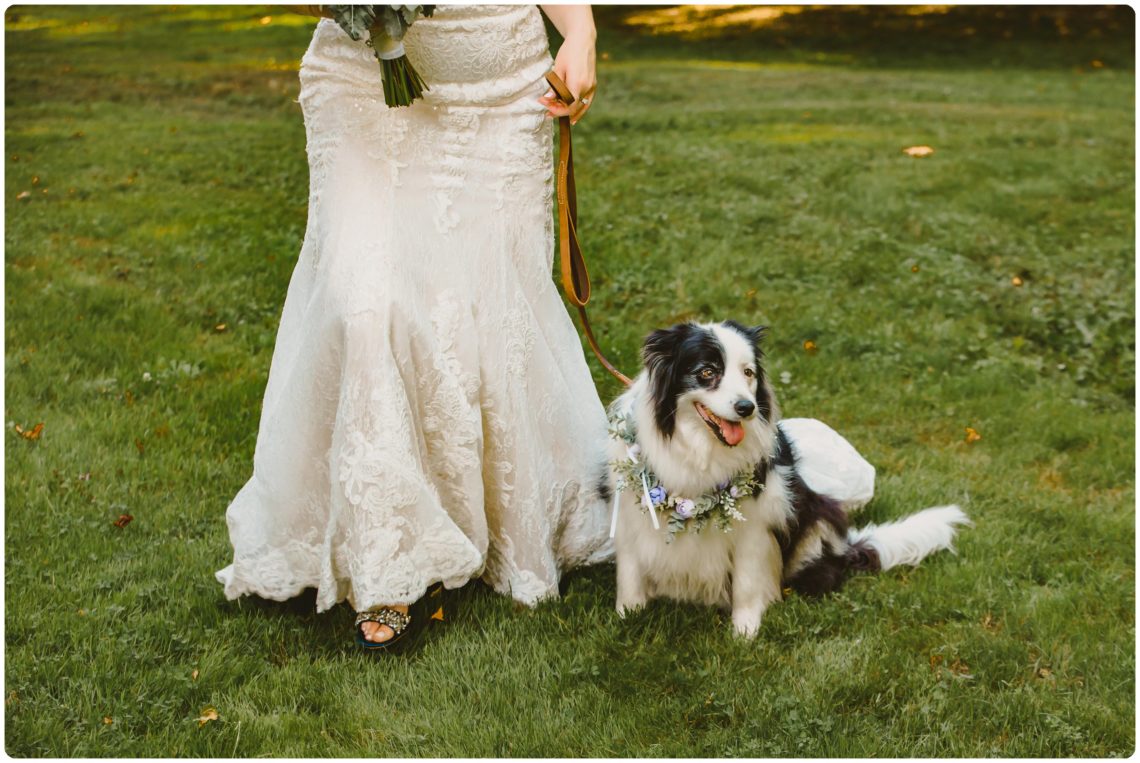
(719, 506)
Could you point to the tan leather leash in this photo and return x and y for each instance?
(575, 277)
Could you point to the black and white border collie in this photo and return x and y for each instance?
(704, 410)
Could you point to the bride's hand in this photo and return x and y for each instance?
(575, 64)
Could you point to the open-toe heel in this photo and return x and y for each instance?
(405, 627)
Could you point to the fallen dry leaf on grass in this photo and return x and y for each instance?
(30, 434)
(918, 151)
(123, 521)
(194, 674)
(959, 668)
(208, 714)
(810, 347)
(972, 435)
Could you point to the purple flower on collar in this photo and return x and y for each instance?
(684, 508)
(724, 484)
(657, 495)
(734, 492)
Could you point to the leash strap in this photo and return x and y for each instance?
(575, 277)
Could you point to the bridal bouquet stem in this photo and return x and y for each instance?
(386, 26)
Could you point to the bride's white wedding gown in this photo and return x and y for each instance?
(429, 414)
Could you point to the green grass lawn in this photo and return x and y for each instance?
(747, 168)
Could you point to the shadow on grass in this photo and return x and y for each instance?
(1034, 37)
(331, 634)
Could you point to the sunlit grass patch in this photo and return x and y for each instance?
(704, 21)
(58, 28)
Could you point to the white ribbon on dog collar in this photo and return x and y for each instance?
(649, 502)
(613, 519)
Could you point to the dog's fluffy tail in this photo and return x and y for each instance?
(911, 539)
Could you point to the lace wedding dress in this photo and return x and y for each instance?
(429, 414)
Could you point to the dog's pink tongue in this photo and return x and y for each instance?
(732, 430)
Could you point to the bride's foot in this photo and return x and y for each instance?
(378, 632)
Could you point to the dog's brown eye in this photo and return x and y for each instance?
(749, 373)
(707, 373)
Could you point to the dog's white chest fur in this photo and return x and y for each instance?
(693, 567)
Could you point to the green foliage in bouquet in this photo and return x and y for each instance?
(385, 26)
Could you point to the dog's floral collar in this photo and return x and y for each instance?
(718, 506)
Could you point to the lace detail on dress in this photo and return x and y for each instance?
(454, 139)
(519, 336)
(451, 423)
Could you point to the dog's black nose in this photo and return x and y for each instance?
(744, 408)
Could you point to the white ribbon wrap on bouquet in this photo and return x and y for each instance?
(386, 48)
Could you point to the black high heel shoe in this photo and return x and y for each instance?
(406, 627)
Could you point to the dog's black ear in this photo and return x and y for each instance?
(660, 346)
(661, 356)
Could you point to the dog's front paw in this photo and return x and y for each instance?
(625, 607)
(631, 587)
(746, 624)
